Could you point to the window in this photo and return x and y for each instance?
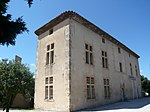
(103, 40)
(90, 87)
(89, 54)
(136, 71)
(106, 88)
(49, 88)
(50, 54)
(46, 80)
(104, 59)
(120, 66)
(131, 69)
(46, 92)
(50, 31)
(119, 50)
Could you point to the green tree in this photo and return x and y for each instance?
(9, 29)
(14, 78)
(145, 84)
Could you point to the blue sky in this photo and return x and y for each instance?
(126, 20)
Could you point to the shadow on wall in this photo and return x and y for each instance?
(21, 102)
(131, 104)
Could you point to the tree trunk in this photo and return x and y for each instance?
(7, 109)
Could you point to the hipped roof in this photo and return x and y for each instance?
(84, 22)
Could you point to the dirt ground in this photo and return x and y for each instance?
(138, 105)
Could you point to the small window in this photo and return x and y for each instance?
(103, 53)
(46, 92)
(90, 48)
(50, 92)
(88, 80)
(103, 40)
(136, 71)
(52, 46)
(51, 80)
(46, 80)
(50, 31)
(87, 57)
(47, 58)
(48, 47)
(86, 46)
(92, 80)
(131, 69)
(52, 56)
(120, 66)
(91, 58)
(119, 50)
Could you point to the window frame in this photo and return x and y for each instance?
(90, 88)
(136, 70)
(49, 88)
(107, 93)
(119, 50)
(131, 70)
(103, 40)
(89, 54)
(104, 59)
(120, 67)
(50, 31)
(50, 54)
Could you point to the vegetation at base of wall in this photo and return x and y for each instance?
(9, 29)
(14, 78)
(145, 85)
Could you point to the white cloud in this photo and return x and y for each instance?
(33, 76)
(32, 65)
(0, 58)
(141, 71)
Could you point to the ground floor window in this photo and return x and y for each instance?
(106, 88)
(90, 84)
(49, 88)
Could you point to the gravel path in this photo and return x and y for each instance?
(138, 105)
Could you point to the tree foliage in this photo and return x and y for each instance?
(14, 78)
(9, 29)
(145, 84)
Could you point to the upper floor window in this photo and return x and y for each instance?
(103, 40)
(90, 83)
(119, 50)
(104, 59)
(136, 71)
(120, 66)
(50, 31)
(50, 54)
(131, 69)
(89, 54)
(106, 88)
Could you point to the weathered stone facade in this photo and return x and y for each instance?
(70, 69)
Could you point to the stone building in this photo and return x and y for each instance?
(81, 66)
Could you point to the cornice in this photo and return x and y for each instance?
(84, 22)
